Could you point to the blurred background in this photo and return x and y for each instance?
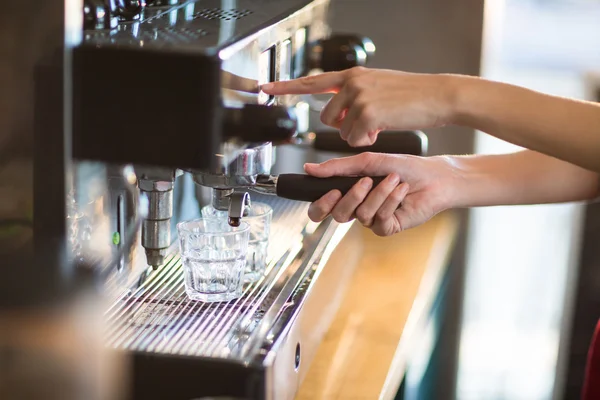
(525, 318)
(523, 292)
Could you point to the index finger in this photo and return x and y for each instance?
(328, 82)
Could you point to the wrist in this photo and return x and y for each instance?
(468, 184)
(460, 98)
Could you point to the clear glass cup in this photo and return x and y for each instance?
(214, 258)
(259, 218)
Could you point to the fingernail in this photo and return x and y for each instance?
(404, 188)
(310, 165)
(267, 86)
(366, 183)
(394, 179)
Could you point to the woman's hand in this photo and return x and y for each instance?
(415, 190)
(367, 101)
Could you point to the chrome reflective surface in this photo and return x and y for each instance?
(157, 316)
(275, 327)
(151, 314)
(241, 171)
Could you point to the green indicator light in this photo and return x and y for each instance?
(116, 238)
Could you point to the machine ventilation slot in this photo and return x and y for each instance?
(179, 33)
(220, 14)
(154, 36)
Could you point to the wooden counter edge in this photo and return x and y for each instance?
(436, 265)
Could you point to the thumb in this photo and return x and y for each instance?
(347, 166)
(364, 164)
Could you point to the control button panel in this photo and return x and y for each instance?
(300, 53)
(266, 73)
(285, 60)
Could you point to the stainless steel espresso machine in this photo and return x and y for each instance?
(167, 117)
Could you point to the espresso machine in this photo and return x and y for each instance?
(167, 116)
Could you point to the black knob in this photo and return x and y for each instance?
(392, 142)
(257, 123)
(99, 14)
(129, 9)
(340, 52)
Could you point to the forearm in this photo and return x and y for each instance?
(525, 177)
(563, 128)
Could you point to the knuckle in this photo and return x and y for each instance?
(361, 102)
(382, 214)
(354, 84)
(339, 217)
(368, 157)
(368, 112)
(363, 215)
(308, 81)
(356, 195)
(396, 196)
(358, 70)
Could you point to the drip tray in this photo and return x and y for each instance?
(241, 340)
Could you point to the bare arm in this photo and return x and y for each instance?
(367, 101)
(434, 184)
(525, 177)
(564, 128)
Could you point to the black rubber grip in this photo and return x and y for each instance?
(308, 188)
(392, 142)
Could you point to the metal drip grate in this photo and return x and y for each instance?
(158, 316)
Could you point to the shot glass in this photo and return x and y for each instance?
(214, 258)
(259, 218)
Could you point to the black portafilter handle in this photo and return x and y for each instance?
(308, 188)
(391, 142)
(259, 123)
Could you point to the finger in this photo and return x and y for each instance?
(393, 201)
(370, 164)
(349, 120)
(329, 82)
(385, 222)
(363, 130)
(345, 208)
(409, 218)
(320, 209)
(367, 210)
(334, 111)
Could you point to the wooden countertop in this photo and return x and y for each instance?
(363, 354)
